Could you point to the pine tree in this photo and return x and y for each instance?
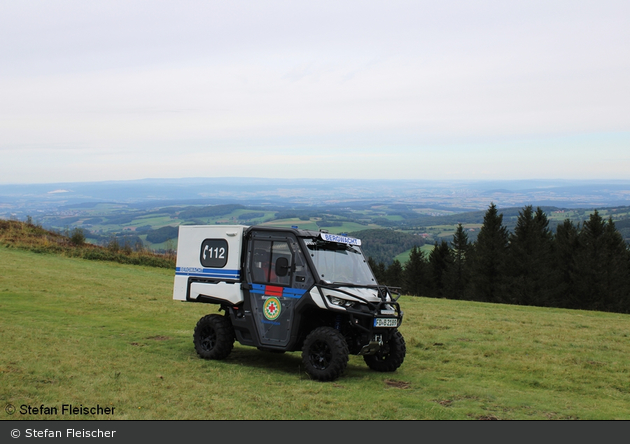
(530, 263)
(602, 280)
(566, 251)
(598, 275)
(394, 274)
(617, 259)
(440, 262)
(378, 269)
(415, 274)
(458, 274)
(590, 262)
(489, 258)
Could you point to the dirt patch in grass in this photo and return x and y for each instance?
(397, 384)
(159, 338)
(487, 418)
(444, 402)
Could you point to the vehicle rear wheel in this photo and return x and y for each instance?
(214, 337)
(325, 354)
(390, 356)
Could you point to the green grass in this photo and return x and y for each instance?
(393, 218)
(256, 220)
(156, 221)
(349, 227)
(427, 249)
(83, 332)
(403, 257)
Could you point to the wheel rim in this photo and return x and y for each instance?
(209, 339)
(320, 355)
(383, 353)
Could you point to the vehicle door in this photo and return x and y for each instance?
(279, 277)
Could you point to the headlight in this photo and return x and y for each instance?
(340, 302)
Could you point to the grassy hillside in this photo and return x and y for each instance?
(27, 236)
(85, 332)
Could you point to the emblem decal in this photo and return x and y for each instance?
(272, 308)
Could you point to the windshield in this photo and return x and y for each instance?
(340, 263)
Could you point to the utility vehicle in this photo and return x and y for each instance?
(285, 290)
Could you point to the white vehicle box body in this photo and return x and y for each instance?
(212, 255)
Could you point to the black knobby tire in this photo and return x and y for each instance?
(390, 356)
(325, 354)
(214, 337)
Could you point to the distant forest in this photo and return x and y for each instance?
(584, 266)
(383, 245)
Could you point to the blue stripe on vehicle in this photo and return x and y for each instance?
(207, 272)
(295, 293)
(258, 289)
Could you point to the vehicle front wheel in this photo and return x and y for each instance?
(214, 337)
(390, 356)
(325, 354)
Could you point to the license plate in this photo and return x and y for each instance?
(386, 322)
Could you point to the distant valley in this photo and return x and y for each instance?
(420, 212)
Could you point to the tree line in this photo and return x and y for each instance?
(383, 245)
(584, 266)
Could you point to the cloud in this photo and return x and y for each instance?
(150, 82)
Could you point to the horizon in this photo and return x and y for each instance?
(325, 179)
(330, 179)
(456, 195)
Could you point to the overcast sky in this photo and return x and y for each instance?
(109, 90)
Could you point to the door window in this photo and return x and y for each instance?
(265, 262)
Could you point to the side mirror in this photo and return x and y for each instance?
(282, 266)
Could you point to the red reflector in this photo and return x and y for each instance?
(271, 290)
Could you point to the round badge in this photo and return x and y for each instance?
(272, 308)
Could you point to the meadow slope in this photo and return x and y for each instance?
(92, 333)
